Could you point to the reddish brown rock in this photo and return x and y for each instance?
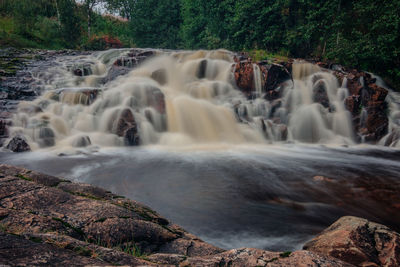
(352, 104)
(46, 220)
(377, 121)
(364, 93)
(244, 76)
(359, 242)
(84, 219)
(252, 257)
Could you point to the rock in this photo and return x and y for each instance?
(17, 251)
(393, 138)
(160, 76)
(84, 70)
(73, 216)
(352, 104)
(18, 144)
(277, 74)
(74, 96)
(81, 141)
(46, 137)
(3, 128)
(46, 220)
(251, 257)
(359, 242)
(244, 76)
(320, 94)
(377, 122)
(201, 72)
(155, 98)
(366, 94)
(114, 72)
(377, 93)
(125, 126)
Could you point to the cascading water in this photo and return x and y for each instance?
(246, 194)
(180, 98)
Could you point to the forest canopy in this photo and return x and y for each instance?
(363, 33)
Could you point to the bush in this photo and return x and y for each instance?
(102, 43)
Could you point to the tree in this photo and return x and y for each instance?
(156, 23)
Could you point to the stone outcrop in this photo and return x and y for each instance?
(366, 95)
(244, 76)
(251, 257)
(359, 242)
(45, 220)
(58, 221)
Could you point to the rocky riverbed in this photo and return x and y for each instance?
(47, 220)
(373, 110)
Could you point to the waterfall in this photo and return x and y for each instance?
(257, 79)
(180, 98)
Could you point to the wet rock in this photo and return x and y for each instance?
(74, 96)
(277, 74)
(201, 72)
(84, 70)
(244, 76)
(392, 139)
(81, 141)
(352, 104)
(3, 128)
(114, 72)
(46, 137)
(18, 144)
(359, 242)
(126, 127)
(365, 94)
(320, 94)
(160, 76)
(377, 122)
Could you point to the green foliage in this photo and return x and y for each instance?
(364, 33)
(156, 23)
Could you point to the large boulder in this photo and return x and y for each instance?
(244, 76)
(366, 94)
(359, 242)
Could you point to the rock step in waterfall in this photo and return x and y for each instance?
(143, 96)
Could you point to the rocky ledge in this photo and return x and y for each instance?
(45, 220)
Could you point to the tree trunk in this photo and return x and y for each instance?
(89, 23)
(337, 34)
(58, 14)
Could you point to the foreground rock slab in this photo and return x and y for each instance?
(359, 242)
(45, 220)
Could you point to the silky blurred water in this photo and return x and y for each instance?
(270, 197)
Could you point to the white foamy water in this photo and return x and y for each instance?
(180, 99)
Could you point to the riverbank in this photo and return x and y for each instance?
(47, 220)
